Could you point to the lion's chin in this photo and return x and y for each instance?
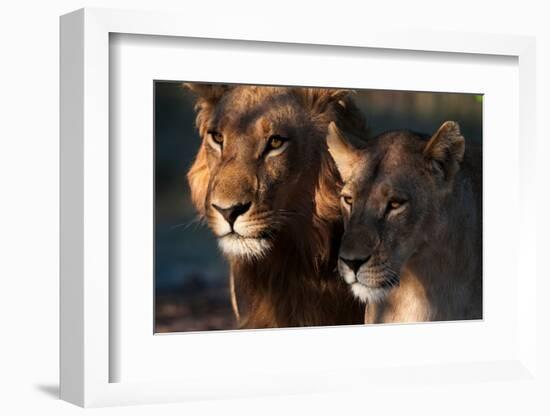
(233, 245)
(369, 294)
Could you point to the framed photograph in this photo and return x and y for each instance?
(222, 264)
(281, 213)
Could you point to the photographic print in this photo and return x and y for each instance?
(290, 206)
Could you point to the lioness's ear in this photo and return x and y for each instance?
(344, 154)
(445, 150)
(207, 92)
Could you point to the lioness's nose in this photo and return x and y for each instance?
(354, 264)
(233, 212)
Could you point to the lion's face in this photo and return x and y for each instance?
(392, 188)
(255, 154)
(258, 163)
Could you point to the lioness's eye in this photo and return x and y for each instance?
(347, 199)
(395, 204)
(217, 137)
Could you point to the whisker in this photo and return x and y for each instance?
(195, 221)
(394, 277)
(290, 214)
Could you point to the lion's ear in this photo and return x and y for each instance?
(337, 105)
(318, 100)
(343, 153)
(445, 149)
(207, 92)
(208, 96)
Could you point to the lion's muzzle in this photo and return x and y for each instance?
(231, 213)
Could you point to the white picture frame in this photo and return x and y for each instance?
(86, 355)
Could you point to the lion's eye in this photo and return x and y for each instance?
(217, 137)
(275, 146)
(276, 141)
(347, 199)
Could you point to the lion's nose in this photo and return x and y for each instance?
(233, 212)
(354, 264)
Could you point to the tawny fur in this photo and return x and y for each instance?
(435, 248)
(294, 282)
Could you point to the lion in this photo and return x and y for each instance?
(265, 183)
(412, 247)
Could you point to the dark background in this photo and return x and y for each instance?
(191, 277)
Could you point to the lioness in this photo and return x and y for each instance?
(269, 190)
(412, 209)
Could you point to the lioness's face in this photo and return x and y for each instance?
(261, 151)
(392, 188)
